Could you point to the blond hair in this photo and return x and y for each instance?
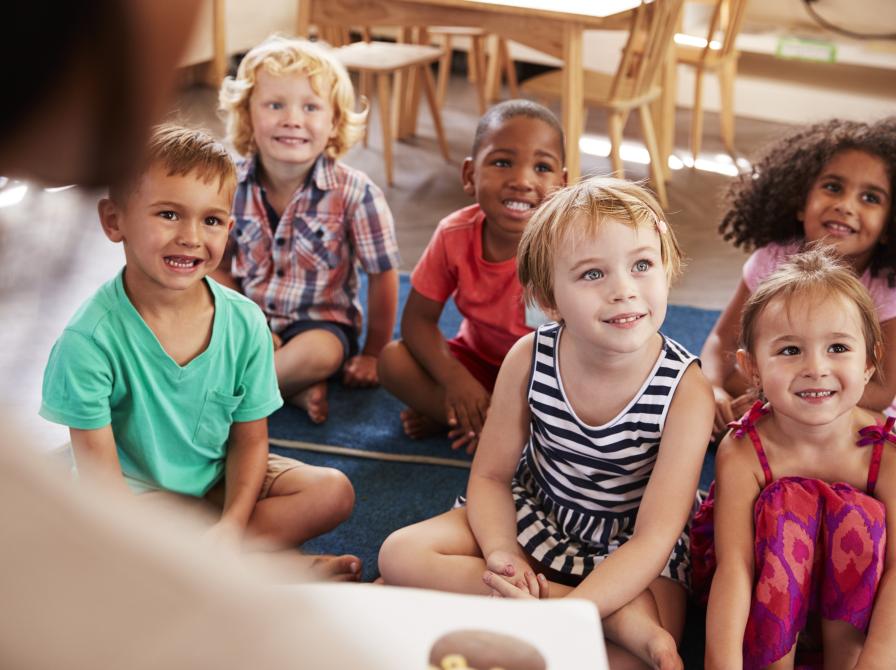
(181, 151)
(579, 209)
(815, 275)
(280, 55)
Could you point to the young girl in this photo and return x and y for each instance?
(830, 182)
(517, 161)
(305, 222)
(588, 463)
(804, 489)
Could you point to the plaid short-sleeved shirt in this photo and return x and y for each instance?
(305, 266)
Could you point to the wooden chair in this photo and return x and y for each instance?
(382, 60)
(720, 56)
(478, 72)
(634, 86)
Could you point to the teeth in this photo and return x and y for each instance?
(815, 394)
(178, 263)
(838, 227)
(518, 205)
(626, 319)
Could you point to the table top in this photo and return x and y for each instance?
(564, 9)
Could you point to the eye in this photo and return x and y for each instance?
(213, 221)
(871, 198)
(642, 265)
(592, 275)
(789, 350)
(310, 107)
(275, 105)
(501, 162)
(168, 215)
(832, 186)
(544, 167)
(838, 348)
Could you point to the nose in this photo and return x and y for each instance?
(190, 233)
(846, 202)
(816, 365)
(622, 287)
(293, 115)
(522, 178)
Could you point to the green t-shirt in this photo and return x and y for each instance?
(170, 422)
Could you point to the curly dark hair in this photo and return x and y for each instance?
(762, 204)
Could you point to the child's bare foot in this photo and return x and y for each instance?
(345, 568)
(663, 652)
(417, 425)
(314, 401)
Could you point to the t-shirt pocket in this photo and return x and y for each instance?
(318, 242)
(216, 418)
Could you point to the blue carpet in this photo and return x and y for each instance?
(394, 494)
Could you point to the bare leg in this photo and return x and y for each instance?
(649, 627)
(403, 377)
(303, 364)
(439, 553)
(842, 644)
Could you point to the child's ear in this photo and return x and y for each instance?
(748, 367)
(467, 174)
(230, 223)
(565, 177)
(110, 219)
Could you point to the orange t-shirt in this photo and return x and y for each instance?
(488, 295)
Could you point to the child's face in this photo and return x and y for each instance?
(291, 123)
(611, 288)
(810, 358)
(518, 163)
(848, 205)
(174, 229)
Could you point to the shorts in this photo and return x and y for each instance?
(346, 334)
(484, 372)
(277, 465)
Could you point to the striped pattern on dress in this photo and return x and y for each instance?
(577, 487)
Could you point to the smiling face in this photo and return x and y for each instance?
(848, 206)
(810, 357)
(291, 122)
(517, 164)
(610, 287)
(174, 229)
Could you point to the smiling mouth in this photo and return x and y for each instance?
(518, 205)
(815, 394)
(182, 262)
(625, 319)
(838, 228)
(291, 140)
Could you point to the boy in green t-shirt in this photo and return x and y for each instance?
(166, 379)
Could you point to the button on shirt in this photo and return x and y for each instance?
(304, 266)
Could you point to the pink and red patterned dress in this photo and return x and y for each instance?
(819, 548)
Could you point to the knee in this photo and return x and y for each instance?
(336, 490)
(389, 362)
(395, 554)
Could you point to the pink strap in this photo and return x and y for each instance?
(876, 435)
(747, 426)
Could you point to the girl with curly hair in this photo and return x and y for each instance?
(830, 183)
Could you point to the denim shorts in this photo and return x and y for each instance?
(345, 333)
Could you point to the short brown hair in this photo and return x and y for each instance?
(283, 55)
(182, 151)
(816, 273)
(579, 209)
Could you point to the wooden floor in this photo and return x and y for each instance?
(53, 254)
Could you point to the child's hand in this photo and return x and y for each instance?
(278, 341)
(509, 566)
(536, 586)
(360, 372)
(724, 411)
(466, 404)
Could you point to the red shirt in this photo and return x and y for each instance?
(488, 295)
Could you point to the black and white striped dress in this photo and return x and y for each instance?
(577, 488)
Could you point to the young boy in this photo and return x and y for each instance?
(304, 220)
(517, 161)
(166, 379)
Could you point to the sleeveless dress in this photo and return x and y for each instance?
(577, 488)
(819, 548)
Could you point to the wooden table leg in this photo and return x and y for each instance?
(384, 95)
(303, 17)
(429, 87)
(573, 98)
(664, 110)
(217, 68)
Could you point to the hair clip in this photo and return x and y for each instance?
(660, 224)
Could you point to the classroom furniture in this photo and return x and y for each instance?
(634, 86)
(719, 55)
(552, 26)
(384, 61)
